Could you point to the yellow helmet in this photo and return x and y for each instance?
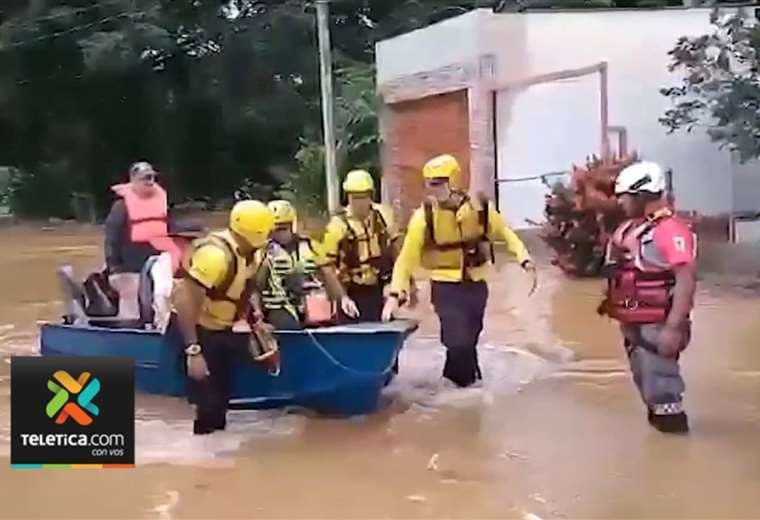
(441, 167)
(283, 211)
(358, 181)
(252, 220)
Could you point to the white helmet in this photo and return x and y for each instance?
(641, 176)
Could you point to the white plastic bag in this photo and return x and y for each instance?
(163, 278)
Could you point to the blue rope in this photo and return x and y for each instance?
(340, 365)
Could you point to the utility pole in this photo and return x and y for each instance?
(328, 116)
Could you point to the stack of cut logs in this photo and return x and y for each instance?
(580, 217)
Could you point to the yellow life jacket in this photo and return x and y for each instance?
(224, 303)
(457, 238)
(365, 253)
(284, 267)
(306, 257)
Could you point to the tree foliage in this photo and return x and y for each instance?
(581, 216)
(720, 87)
(218, 94)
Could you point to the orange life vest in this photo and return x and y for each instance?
(147, 219)
(639, 290)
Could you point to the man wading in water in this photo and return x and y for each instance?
(451, 236)
(211, 296)
(651, 265)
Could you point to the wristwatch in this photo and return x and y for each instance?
(193, 350)
(400, 297)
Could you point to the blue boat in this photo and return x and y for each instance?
(337, 370)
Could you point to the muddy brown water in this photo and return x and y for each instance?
(556, 431)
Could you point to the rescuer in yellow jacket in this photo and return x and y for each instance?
(209, 298)
(358, 244)
(451, 236)
(288, 270)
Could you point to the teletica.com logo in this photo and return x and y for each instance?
(73, 398)
(72, 412)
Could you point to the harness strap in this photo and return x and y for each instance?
(147, 219)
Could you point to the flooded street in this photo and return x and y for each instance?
(556, 431)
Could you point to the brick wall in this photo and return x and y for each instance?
(416, 131)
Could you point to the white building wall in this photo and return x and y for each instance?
(746, 186)
(544, 128)
(635, 45)
(445, 43)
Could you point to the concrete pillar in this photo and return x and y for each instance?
(482, 145)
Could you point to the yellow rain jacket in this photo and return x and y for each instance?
(442, 248)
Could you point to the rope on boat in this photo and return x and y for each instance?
(342, 366)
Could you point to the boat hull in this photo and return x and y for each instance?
(333, 370)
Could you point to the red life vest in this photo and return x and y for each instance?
(147, 219)
(639, 290)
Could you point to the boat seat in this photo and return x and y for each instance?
(115, 323)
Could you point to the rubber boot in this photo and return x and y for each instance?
(221, 422)
(676, 424)
(461, 367)
(208, 422)
(202, 427)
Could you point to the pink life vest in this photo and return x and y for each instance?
(147, 219)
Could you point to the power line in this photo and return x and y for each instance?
(29, 81)
(76, 28)
(70, 12)
(248, 8)
(541, 177)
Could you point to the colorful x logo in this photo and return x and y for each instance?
(85, 388)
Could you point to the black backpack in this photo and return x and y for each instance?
(100, 299)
